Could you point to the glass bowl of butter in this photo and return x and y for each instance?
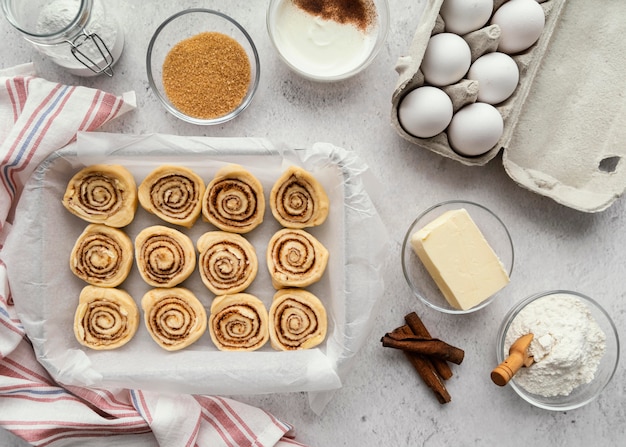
(457, 256)
(327, 41)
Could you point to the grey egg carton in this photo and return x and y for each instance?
(571, 154)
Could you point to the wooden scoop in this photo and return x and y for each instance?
(518, 357)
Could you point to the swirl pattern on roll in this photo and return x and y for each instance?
(295, 258)
(298, 200)
(174, 317)
(234, 200)
(227, 262)
(297, 320)
(102, 256)
(238, 322)
(105, 194)
(106, 318)
(173, 193)
(165, 257)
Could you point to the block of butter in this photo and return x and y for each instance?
(459, 259)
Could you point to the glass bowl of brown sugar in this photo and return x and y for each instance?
(203, 66)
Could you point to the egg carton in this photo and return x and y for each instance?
(574, 155)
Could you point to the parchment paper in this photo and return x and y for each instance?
(46, 292)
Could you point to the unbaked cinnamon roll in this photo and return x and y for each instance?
(238, 322)
(298, 200)
(174, 317)
(295, 258)
(106, 318)
(173, 193)
(102, 256)
(234, 200)
(227, 262)
(297, 320)
(105, 194)
(165, 257)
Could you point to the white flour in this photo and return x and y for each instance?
(567, 346)
(57, 14)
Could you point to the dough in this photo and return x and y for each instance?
(106, 318)
(102, 256)
(238, 322)
(174, 194)
(165, 257)
(174, 317)
(234, 200)
(295, 258)
(298, 200)
(297, 320)
(105, 194)
(227, 262)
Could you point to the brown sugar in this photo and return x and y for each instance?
(207, 75)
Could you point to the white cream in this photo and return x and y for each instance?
(317, 47)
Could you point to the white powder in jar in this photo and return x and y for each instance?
(567, 346)
(57, 14)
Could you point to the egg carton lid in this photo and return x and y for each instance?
(565, 136)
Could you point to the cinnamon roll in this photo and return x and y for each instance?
(102, 256)
(173, 193)
(106, 318)
(234, 200)
(105, 194)
(174, 317)
(227, 262)
(295, 258)
(298, 200)
(297, 320)
(165, 257)
(238, 322)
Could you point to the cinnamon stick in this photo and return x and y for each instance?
(418, 328)
(426, 370)
(431, 347)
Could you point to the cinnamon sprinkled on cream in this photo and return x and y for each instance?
(360, 13)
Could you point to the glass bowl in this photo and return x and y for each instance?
(418, 278)
(585, 393)
(320, 49)
(186, 24)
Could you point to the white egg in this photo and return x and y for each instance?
(446, 59)
(464, 16)
(521, 23)
(475, 129)
(425, 111)
(497, 75)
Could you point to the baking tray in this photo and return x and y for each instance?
(46, 292)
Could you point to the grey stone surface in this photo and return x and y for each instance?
(382, 401)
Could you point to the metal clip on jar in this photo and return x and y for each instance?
(75, 34)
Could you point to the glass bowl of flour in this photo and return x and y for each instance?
(575, 349)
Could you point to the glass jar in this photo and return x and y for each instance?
(77, 35)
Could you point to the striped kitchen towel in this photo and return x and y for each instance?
(36, 118)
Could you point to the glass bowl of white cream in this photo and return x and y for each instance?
(327, 41)
(575, 348)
